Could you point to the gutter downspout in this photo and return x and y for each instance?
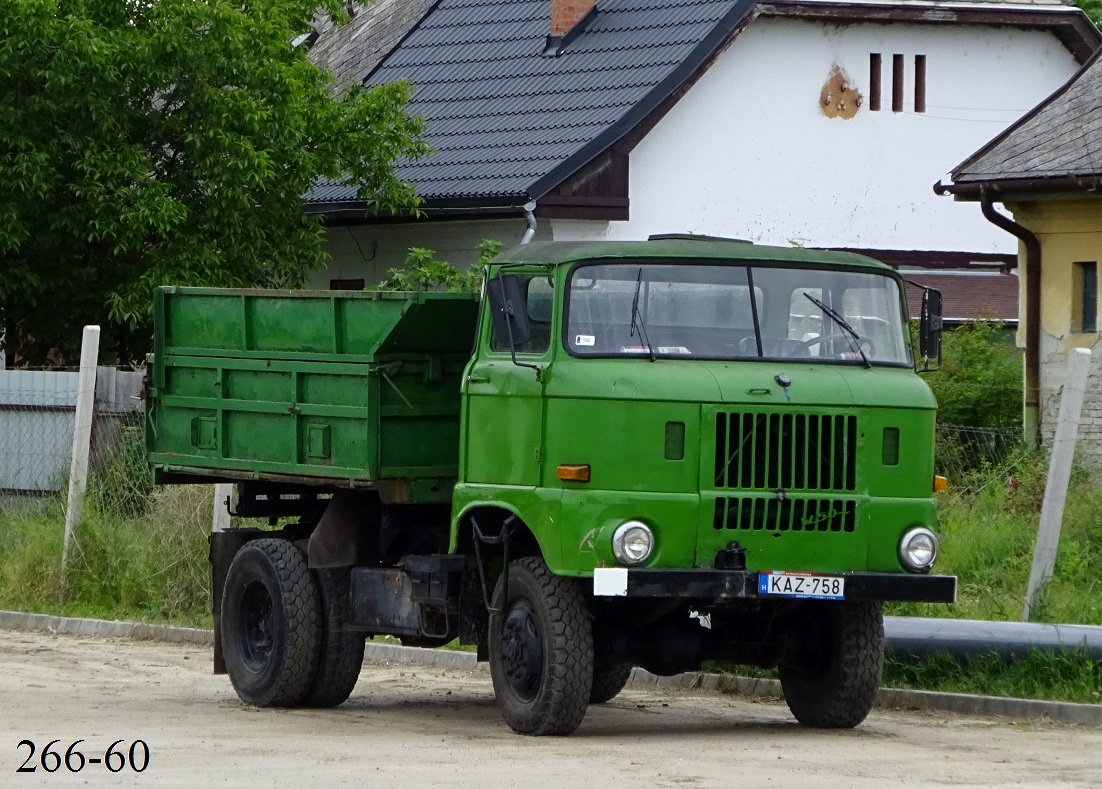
(530, 220)
(1031, 417)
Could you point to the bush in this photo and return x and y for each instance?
(980, 380)
(423, 271)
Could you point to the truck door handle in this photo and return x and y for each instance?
(477, 379)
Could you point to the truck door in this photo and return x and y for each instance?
(504, 401)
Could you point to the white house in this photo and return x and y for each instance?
(805, 122)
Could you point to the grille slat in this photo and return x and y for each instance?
(757, 513)
(792, 452)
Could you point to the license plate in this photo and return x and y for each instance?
(801, 585)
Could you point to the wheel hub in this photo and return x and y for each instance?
(522, 651)
(256, 626)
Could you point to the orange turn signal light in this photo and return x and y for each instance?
(941, 483)
(569, 472)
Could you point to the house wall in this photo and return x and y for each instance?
(367, 252)
(749, 152)
(1070, 231)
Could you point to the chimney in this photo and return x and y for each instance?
(565, 14)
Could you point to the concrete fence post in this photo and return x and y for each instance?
(1059, 474)
(82, 442)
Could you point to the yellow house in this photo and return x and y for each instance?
(1046, 170)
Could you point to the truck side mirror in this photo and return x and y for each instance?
(929, 330)
(508, 311)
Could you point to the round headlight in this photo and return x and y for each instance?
(632, 543)
(918, 549)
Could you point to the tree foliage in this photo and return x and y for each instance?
(980, 381)
(423, 271)
(152, 142)
(1093, 9)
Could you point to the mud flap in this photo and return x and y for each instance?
(224, 546)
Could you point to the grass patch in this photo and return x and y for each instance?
(1050, 676)
(1053, 676)
(139, 553)
(987, 523)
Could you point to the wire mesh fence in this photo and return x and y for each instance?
(961, 450)
(137, 548)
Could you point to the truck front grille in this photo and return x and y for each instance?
(758, 451)
(774, 514)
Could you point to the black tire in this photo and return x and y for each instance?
(832, 663)
(271, 620)
(541, 650)
(608, 681)
(341, 651)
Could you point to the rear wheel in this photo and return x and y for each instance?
(541, 650)
(270, 620)
(832, 662)
(608, 681)
(341, 651)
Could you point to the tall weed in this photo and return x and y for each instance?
(988, 526)
(138, 552)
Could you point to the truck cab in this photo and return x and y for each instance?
(705, 430)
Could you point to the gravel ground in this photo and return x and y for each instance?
(412, 726)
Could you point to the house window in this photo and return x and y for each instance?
(897, 83)
(920, 83)
(875, 71)
(1085, 306)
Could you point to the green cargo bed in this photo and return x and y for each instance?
(325, 388)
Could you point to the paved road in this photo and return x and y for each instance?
(418, 727)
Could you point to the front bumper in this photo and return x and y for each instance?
(727, 585)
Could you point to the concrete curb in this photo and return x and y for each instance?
(891, 698)
(72, 626)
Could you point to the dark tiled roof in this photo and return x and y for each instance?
(508, 123)
(967, 295)
(351, 51)
(1060, 138)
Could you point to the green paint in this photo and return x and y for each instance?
(704, 443)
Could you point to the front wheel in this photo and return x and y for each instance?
(832, 662)
(541, 650)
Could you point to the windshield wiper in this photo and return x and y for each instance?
(637, 318)
(841, 322)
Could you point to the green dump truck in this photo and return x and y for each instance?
(624, 454)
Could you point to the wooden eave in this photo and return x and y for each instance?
(1070, 25)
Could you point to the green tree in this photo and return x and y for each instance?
(422, 270)
(1093, 9)
(980, 380)
(153, 142)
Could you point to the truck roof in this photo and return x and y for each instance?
(678, 246)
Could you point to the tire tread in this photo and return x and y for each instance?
(847, 701)
(569, 679)
(300, 608)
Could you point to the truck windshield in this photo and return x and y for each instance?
(759, 310)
